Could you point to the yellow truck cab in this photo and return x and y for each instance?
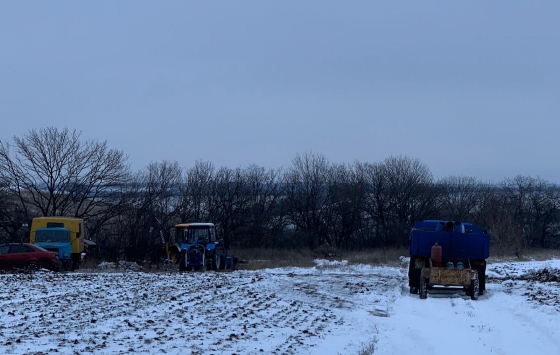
(64, 235)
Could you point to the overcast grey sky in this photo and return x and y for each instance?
(468, 87)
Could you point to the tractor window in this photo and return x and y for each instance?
(52, 236)
(178, 235)
(200, 235)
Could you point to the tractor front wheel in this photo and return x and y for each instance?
(182, 264)
(216, 262)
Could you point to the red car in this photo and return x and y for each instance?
(28, 256)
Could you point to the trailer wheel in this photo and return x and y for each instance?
(481, 279)
(474, 289)
(423, 289)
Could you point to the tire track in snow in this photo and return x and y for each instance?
(497, 323)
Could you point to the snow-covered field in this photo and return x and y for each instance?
(333, 308)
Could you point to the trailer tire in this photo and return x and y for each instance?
(413, 274)
(475, 289)
(423, 289)
(482, 279)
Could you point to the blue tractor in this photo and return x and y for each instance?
(200, 249)
(448, 253)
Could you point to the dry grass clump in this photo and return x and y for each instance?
(389, 257)
(537, 254)
(262, 258)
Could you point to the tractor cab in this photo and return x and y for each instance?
(195, 233)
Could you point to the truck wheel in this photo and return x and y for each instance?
(423, 289)
(75, 261)
(474, 289)
(67, 265)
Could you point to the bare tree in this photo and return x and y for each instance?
(377, 200)
(463, 198)
(12, 217)
(229, 203)
(507, 233)
(196, 193)
(409, 196)
(533, 202)
(155, 203)
(307, 194)
(265, 220)
(56, 172)
(347, 193)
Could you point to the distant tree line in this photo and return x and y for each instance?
(311, 204)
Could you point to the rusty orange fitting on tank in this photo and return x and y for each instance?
(436, 255)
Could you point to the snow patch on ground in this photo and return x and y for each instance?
(334, 307)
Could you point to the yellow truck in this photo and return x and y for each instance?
(64, 235)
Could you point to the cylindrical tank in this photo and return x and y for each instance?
(459, 227)
(436, 255)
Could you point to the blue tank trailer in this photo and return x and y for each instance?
(448, 253)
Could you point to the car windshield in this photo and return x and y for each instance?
(52, 236)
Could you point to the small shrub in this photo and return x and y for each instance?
(367, 349)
